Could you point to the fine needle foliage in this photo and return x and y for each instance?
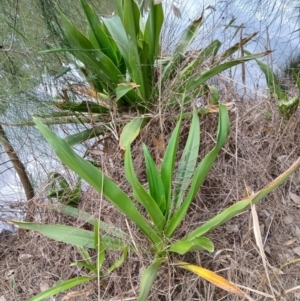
(166, 204)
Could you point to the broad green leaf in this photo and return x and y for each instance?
(88, 218)
(196, 80)
(147, 72)
(153, 30)
(131, 20)
(121, 90)
(61, 287)
(183, 246)
(103, 41)
(93, 57)
(70, 235)
(202, 170)
(130, 131)
(148, 278)
(118, 33)
(141, 195)
(131, 57)
(168, 163)
(242, 205)
(136, 72)
(214, 95)
(187, 163)
(119, 7)
(156, 187)
(84, 135)
(98, 180)
(212, 278)
(272, 81)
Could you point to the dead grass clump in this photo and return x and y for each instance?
(260, 147)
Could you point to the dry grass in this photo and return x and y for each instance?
(260, 147)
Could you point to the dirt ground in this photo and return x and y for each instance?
(261, 146)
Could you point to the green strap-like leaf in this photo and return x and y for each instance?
(271, 78)
(196, 80)
(118, 33)
(156, 187)
(141, 195)
(103, 42)
(183, 246)
(98, 180)
(182, 46)
(61, 287)
(123, 90)
(242, 205)
(119, 262)
(167, 166)
(99, 247)
(130, 131)
(187, 162)
(153, 30)
(70, 235)
(90, 267)
(84, 135)
(129, 51)
(93, 57)
(82, 107)
(88, 218)
(131, 19)
(148, 278)
(202, 170)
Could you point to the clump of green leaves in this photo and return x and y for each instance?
(81, 239)
(121, 59)
(166, 204)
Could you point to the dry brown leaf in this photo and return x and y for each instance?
(10, 274)
(297, 231)
(44, 285)
(288, 219)
(176, 11)
(295, 198)
(159, 145)
(70, 295)
(133, 85)
(24, 256)
(281, 158)
(290, 242)
(259, 242)
(297, 250)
